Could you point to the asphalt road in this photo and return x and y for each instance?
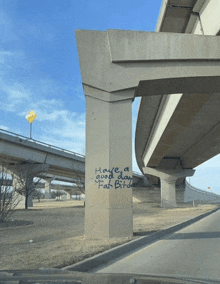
(190, 252)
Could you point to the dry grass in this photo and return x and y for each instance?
(57, 231)
(156, 219)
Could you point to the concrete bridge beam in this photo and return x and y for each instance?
(168, 180)
(150, 63)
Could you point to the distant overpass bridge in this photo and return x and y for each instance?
(71, 189)
(64, 165)
(17, 150)
(19, 153)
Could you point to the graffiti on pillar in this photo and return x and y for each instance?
(113, 178)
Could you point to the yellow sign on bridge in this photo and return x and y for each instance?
(31, 116)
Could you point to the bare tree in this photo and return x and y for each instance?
(25, 182)
(27, 188)
(80, 182)
(57, 194)
(9, 198)
(38, 194)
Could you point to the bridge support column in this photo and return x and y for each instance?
(168, 180)
(48, 188)
(168, 192)
(68, 195)
(25, 187)
(108, 169)
(23, 179)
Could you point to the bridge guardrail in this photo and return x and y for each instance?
(41, 143)
(49, 145)
(199, 190)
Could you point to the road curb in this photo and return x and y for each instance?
(109, 256)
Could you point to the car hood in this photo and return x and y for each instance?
(64, 276)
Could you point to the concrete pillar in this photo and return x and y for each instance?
(48, 188)
(68, 195)
(21, 183)
(108, 169)
(23, 175)
(168, 180)
(168, 192)
(30, 199)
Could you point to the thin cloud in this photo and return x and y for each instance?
(6, 28)
(4, 55)
(4, 127)
(73, 127)
(75, 145)
(13, 96)
(78, 91)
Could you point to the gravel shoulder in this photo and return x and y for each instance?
(52, 233)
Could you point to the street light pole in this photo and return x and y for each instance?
(31, 117)
(30, 129)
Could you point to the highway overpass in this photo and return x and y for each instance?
(20, 153)
(71, 189)
(176, 73)
(26, 158)
(182, 130)
(18, 150)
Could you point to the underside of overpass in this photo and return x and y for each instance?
(191, 134)
(176, 72)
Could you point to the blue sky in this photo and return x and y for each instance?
(40, 69)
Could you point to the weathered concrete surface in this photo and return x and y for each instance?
(133, 63)
(179, 16)
(168, 180)
(17, 150)
(150, 195)
(127, 64)
(186, 125)
(68, 195)
(190, 132)
(47, 187)
(150, 63)
(108, 171)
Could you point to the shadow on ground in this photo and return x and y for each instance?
(193, 236)
(144, 233)
(15, 223)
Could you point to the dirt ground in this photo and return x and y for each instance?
(52, 233)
